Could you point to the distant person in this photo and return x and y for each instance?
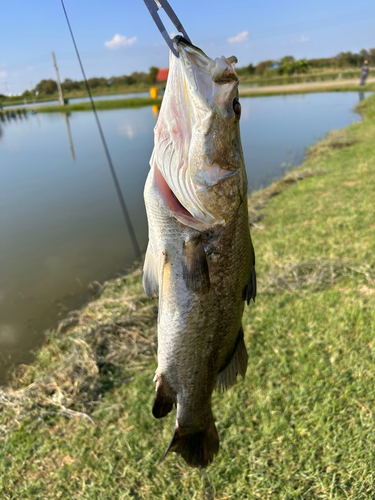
(364, 74)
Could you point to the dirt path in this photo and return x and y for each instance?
(303, 86)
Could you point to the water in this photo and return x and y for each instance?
(61, 226)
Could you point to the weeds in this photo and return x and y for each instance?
(311, 276)
(89, 354)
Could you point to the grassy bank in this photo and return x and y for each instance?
(77, 423)
(11, 101)
(136, 102)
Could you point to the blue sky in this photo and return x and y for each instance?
(253, 31)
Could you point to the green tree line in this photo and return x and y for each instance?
(49, 87)
(289, 66)
(285, 66)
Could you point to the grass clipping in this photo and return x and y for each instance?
(311, 276)
(92, 351)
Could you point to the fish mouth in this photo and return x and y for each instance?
(221, 70)
(186, 173)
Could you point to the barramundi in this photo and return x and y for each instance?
(200, 258)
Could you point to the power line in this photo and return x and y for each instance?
(106, 150)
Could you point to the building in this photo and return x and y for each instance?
(162, 75)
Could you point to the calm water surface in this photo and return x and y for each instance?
(61, 226)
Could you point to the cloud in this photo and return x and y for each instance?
(3, 74)
(241, 37)
(120, 40)
(301, 39)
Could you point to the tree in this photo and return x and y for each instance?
(287, 65)
(364, 55)
(46, 87)
(250, 69)
(301, 66)
(262, 66)
(68, 85)
(153, 71)
(287, 59)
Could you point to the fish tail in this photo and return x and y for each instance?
(197, 448)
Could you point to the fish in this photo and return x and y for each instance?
(200, 258)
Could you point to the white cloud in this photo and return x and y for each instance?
(3, 74)
(301, 39)
(119, 41)
(241, 37)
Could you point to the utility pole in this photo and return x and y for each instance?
(61, 97)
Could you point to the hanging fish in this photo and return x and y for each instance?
(200, 259)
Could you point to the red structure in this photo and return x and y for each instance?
(162, 75)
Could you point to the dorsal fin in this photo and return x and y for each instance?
(236, 364)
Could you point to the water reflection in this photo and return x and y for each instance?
(68, 131)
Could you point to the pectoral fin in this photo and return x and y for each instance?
(236, 364)
(150, 275)
(195, 267)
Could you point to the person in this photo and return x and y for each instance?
(364, 74)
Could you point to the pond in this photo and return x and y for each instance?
(61, 226)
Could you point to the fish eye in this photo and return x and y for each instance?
(237, 107)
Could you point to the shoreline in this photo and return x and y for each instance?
(266, 91)
(77, 422)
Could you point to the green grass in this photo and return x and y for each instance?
(301, 425)
(8, 101)
(135, 102)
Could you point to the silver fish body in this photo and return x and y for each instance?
(200, 258)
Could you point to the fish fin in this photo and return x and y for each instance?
(197, 448)
(150, 275)
(164, 400)
(237, 364)
(250, 290)
(195, 267)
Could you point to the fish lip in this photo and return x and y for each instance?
(179, 40)
(183, 47)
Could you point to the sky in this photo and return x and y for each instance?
(117, 37)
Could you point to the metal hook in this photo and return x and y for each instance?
(153, 6)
